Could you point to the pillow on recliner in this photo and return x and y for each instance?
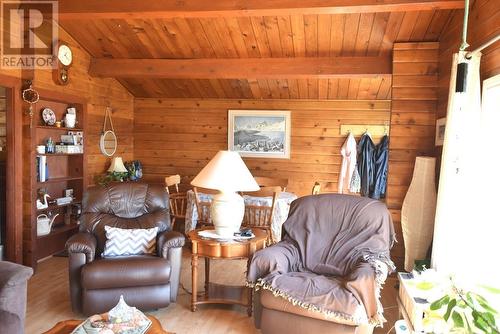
(120, 241)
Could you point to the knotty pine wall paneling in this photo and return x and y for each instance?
(412, 131)
(179, 136)
(3, 119)
(98, 94)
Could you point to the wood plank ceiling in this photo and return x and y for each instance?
(364, 34)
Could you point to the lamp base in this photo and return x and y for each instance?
(227, 212)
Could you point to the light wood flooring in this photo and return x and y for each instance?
(48, 301)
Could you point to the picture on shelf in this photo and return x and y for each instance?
(68, 192)
(259, 133)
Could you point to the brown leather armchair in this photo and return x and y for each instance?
(145, 281)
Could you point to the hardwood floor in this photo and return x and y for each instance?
(48, 301)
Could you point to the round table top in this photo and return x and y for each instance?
(67, 326)
(227, 249)
(259, 233)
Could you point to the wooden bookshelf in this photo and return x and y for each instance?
(65, 170)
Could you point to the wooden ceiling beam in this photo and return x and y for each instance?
(140, 9)
(237, 68)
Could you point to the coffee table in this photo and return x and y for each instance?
(213, 249)
(67, 326)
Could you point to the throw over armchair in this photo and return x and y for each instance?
(326, 273)
(145, 281)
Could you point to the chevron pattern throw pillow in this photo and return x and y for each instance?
(120, 241)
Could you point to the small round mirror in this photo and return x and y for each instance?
(108, 143)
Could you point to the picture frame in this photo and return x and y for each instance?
(259, 133)
(440, 128)
(68, 192)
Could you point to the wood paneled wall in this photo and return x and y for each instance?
(99, 93)
(413, 112)
(484, 23)
(180, 136)
(3, 119)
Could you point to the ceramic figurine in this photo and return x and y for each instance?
(42, 205)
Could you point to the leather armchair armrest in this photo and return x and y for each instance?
(168, 240)
(81, 250)
(170, 247)
(82, 243)
(280, 258)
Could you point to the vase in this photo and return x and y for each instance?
(418, 211)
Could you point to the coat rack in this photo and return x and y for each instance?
(360, 129)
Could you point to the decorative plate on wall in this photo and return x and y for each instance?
(48, 116)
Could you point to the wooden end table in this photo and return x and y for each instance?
(67, 326)
(213, 249)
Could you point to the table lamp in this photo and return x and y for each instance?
(117, 166)
(227, 173)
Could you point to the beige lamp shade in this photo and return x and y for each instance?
(117, 166)
(226, 172)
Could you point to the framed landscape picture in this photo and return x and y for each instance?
(259, 133)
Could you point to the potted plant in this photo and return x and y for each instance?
(461, 311)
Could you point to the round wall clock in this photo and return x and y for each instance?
(48, 116)
(64, 60)
(65, 55)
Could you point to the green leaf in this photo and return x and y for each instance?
(490, 289)
(484, 303)
(481, 324)
(451, 305)
(490, 318)
(440, 302)
(458, 321)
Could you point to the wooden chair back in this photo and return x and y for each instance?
(172, 181)
(203, 207)
(262, 216)
(316, 188)
(178, 206)
(271, 182)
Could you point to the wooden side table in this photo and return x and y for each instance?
(67, 326)
(213, 249)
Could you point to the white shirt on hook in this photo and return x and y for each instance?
(349, 158)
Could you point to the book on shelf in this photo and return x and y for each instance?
(42, 169)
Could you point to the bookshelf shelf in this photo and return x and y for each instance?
(60, 229)
(62, 128)
(60, 154)
(54, 207)
(60, 179)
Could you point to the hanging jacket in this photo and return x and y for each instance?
(381, 160)
(349, 157)
(366, 164)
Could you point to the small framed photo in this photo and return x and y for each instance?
(68, 193)
(440, 128)
(259, 133)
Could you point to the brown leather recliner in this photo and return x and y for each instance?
(145, 281)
